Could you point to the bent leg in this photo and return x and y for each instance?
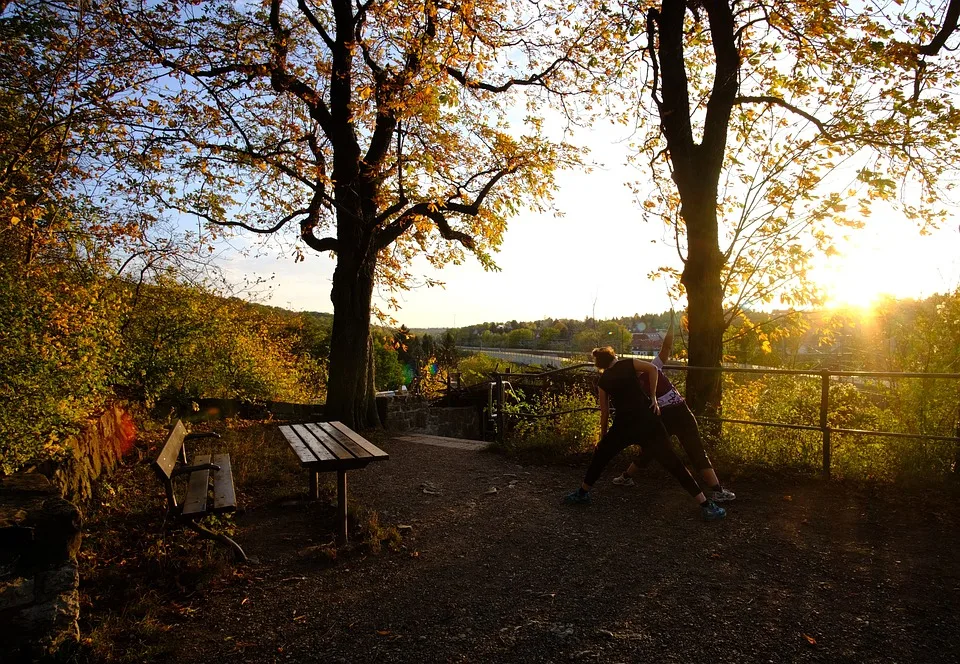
(615, 441)
(681, 423)
(671, 462)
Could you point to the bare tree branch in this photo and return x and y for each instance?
(533, 79)
(253, 229)
(949, 26)
(777, 101)
(311, 17)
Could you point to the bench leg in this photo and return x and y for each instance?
(341, 507)
(220, 537)
(314, 485)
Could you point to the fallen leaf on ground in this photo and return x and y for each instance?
(383, 632)
(812, 641)
(788, 498)
(491, 490)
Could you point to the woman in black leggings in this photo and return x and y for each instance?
(636, 418)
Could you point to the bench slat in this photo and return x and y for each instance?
(303, 452)
(374, 451)
(171, 451)
(344, 440)
(321, 438)
(196, 501)
(224, 495)
(319, 451)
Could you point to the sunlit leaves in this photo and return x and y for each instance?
(838, 115)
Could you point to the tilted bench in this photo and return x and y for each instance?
(327, 446)
(197, 503)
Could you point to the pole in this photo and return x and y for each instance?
(341, 507)
(824, 429)
(500, 414)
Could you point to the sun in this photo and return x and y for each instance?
(864, 274)
(860, 294)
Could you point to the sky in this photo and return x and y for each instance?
(594, 261)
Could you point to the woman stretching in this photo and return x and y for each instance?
(679, 422)
(637, 418)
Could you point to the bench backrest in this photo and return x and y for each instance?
(164, 464)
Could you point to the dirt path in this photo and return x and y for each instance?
(799, 571)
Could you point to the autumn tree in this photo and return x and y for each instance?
(374, 131)
(61, 247)
(776, 121)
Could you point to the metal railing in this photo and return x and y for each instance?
(823, 426)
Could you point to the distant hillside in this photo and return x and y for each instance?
(432, 331)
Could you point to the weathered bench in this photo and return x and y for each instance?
(329, 446)
(172, 464)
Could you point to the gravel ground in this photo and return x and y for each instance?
(801, 570)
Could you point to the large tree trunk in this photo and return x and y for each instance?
(350, 395)
(696, 172)
(702, 281)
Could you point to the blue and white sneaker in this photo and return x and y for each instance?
(577, 498)
(711, 511)
(723, 496)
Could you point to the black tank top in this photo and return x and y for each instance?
(622, 384)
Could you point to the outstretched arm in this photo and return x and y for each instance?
(666, 348)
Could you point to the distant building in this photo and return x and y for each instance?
(646, 342)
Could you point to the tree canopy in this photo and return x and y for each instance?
(774, 123)
(377, 131)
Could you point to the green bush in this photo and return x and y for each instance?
(552, 438)
(59, 346)
(185, 343)
(476, 368)
(389, 372)
(877, 406)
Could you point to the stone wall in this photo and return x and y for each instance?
(96, 450)
(39, 539)
(403, 412)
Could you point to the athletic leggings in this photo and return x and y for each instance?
(631, 430)
(680, 422)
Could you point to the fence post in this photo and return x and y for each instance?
(824, 429)
(956, 447)
(500, 414)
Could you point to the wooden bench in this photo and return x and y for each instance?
(328, 446)
(172, 464)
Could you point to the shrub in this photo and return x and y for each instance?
(59, 342)
(552, 438)
(476, 368)
(796, 400)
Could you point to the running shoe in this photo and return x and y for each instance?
(723, 496)
(712, 512)
(577, 498)
(623, 480)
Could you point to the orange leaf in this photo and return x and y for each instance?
(789, 499)
(812, 641)
(383, 632)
